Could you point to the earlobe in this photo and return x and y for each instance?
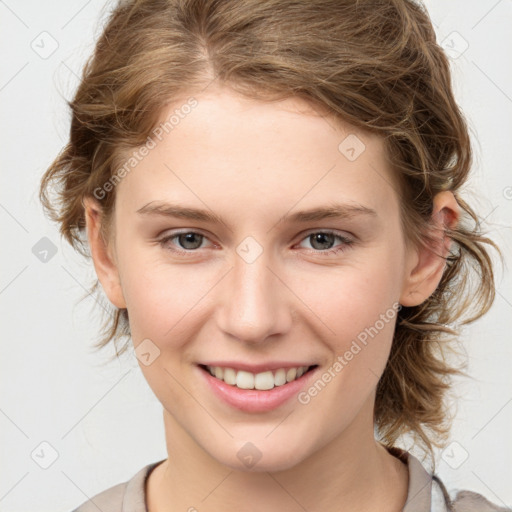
(103, 259)
(425, 264)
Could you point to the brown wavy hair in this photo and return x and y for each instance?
(372, 63)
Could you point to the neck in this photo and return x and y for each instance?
(351, 472)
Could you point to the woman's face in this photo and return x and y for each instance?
(269, 283)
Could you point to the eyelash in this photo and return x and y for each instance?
(347, 242)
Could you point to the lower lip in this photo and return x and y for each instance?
(254, 400)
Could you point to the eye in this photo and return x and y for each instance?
(188, 240)
(322, 241)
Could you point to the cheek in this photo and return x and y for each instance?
(161, 297)
(356, 308)
(164, 305)
(350, 299)
(358, 312)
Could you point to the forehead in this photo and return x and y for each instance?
(252, 154)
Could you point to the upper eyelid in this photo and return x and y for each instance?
(335, 232)
(347, 237)
(183, 232)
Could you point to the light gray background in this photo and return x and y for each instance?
(102, 422)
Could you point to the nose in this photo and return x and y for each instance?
(255, 303)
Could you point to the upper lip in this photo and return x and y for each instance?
(257, 368)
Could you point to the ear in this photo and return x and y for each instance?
(102, 254)
(426, 263)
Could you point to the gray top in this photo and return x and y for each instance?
(426, 493)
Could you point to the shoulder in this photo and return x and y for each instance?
(460, 500)
(469, 501)
(129, 495)
(427, 492)
(109, 500)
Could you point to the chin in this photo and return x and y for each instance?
(259, 457)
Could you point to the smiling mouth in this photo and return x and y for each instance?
(259, 381)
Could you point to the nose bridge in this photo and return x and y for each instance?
(254, 305)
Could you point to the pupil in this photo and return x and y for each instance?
(188, 238)
(321, 237)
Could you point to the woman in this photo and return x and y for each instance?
(271, 196)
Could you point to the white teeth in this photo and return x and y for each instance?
(229, 376)
(264, 381)
(280, 377)
(244, 380)
(261, 381)
(291, 374)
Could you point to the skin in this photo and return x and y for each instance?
(252, 162)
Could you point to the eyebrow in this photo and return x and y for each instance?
(335, 210)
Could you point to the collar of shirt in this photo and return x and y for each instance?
(423, 495)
